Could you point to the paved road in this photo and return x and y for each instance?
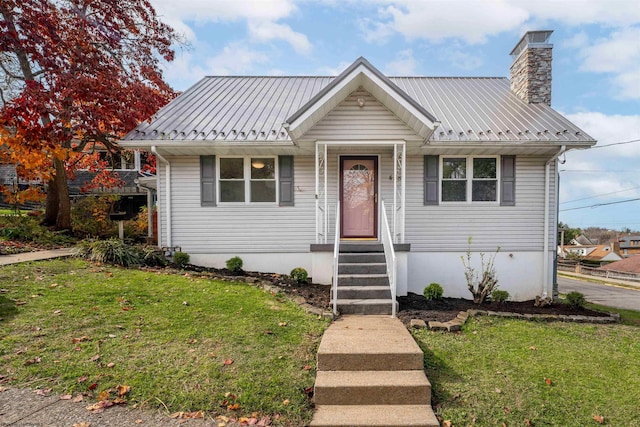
(611, 296)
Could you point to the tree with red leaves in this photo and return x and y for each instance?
(73, 74)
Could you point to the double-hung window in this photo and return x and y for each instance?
(469, 179)
(247, 180)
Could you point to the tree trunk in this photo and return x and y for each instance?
(63, 218)
(51, 207)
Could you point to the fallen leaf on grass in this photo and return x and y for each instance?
(57, 312)
(3, 389)
(497, 390)
(286, 402)
(507, 410)
(82, 424)
(533, 348)
(94, 358)
(598, 418)
(66, 397)
(82, 379)
(80, 339)
(110, 365)
(93, 386)
(306, 367)
(79, 398)
(548, 381)
(32, 361)
(527, 423)
(233, 407)
(227, 362)
(282, 324)
(123, 390)
(138, 421)
(447, 423)
(104, 395)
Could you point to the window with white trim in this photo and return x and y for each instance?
(247, 179)
(469, 178)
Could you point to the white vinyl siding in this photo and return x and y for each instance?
(349, 121)
(238, 228)
(447, 227)
(256, 228)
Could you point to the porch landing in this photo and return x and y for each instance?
(370, 373)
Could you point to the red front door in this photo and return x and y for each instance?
(359, 196)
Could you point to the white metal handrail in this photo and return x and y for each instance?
(390, 257)
(336, 255)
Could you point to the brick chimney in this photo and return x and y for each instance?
(531, 68)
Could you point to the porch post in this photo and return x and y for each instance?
(395, 192)
(403, 183)
(326, 200)
(317, 194)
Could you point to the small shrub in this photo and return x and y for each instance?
(499, 296)
(576, 299)
(482, 283)
(299, 274)
(180, 259)
(112, 251)
(234, 264)
(153, 257)
(433, 291)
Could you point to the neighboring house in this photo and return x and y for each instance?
(582, 240)
(577, 250)
(629, 245)
(627, 265)
(255, 167)
(604, 253)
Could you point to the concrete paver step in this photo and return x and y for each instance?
(364, 306)
(362, 268)
(364, 292)
(374, 416)
(372, 388)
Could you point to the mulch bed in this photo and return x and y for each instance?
(412, 306)
(415, 306)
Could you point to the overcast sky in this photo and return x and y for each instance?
(596, 65)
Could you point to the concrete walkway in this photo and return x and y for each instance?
(371, 373)
(35, 256)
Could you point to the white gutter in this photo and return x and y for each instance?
(168, 202)
(545, 255)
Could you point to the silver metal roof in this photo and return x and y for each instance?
(254, 109)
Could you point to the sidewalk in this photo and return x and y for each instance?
(35, 256)
(25, 408)
(605, 281)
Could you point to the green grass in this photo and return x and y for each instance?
(12, 212)
(168, 337)
(495, 372)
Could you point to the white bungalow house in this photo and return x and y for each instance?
(276, 170)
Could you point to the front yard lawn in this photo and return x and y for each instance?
(520, 373)
(179, 342)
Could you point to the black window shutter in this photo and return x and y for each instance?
(208, 180)
(285, 171)
(431, 180)
(508, 181)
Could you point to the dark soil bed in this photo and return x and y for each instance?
(415, 306)
(412, 306)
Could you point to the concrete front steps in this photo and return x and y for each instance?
(363, 283)
(370, 373)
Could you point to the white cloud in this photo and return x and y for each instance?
(265, 31)
(600, 171)
(619, 55)
(333, 71)
(235, 58)
(404, 64)
(225, 10)
(462, 60)
(473, 21)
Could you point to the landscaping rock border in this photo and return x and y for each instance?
(462, 317)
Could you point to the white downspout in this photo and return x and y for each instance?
(545, 257)
(168, 201)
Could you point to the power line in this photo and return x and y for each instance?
(601, 204)
(615, 143)
(599, 195)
